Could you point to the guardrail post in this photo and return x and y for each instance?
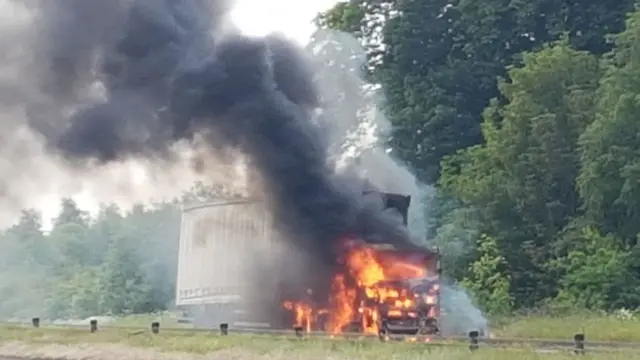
(578, 340)
(93, 325)
(155, 327)
(473, 340)
(224, 329)
(299, 331)
(35, 322)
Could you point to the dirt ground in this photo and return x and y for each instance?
(122, 352)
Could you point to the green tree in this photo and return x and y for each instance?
(25, 258)
(488, 281)
(71, 213)
(345, 16)
(122, 284)
(117, 262)
(522, 180)
(156, 232)
(406, 55)
(74, 296)
(204, 192)
(74, 248)
(438, 60)
(456, 237)
(32, 249)
(609, 180)
(105, 229)
(597, 274)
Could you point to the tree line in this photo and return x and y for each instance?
(522, 115)
(114, 263)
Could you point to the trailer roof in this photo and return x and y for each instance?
(219, 202)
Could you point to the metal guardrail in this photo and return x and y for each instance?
(578, 344)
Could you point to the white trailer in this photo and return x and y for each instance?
(226, 246)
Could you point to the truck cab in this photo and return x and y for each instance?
(421, 317)
(415, 308)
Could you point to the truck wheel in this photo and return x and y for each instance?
(429, 327)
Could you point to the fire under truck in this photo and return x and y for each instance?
(419, 298)
(423, 295)
(406, 303)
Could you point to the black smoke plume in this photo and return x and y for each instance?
(172, 69)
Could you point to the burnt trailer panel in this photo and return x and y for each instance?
(223, 244)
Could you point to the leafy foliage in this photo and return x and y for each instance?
(523, 177)
(438, 60)
(487, 282)
(117, 263)
(598, 275)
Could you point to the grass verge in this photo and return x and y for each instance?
(130, 344)
(595, 328)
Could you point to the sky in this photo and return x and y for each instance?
(293, 18)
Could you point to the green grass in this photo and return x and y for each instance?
(272, 347)
(166, 319)
(175, 340)
(595, 328)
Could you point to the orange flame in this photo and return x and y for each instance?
(368, 271)
(303, 314)
(341, 301)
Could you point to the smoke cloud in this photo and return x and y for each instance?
(120, 80)
(48, 73)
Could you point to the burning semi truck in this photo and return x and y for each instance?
(229, 269)
(381, 289)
